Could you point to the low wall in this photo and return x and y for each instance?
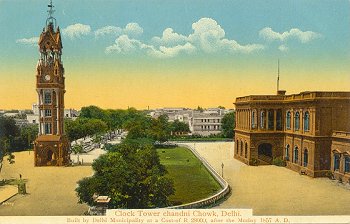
(212, 199)
(199, 140)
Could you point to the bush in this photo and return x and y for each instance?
(278, 161)
(253, 162)
(329, 174)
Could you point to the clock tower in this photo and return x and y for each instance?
(51, 147)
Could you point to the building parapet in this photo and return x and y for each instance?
(292, 97)
(341, 134)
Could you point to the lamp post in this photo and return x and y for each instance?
(222, 170)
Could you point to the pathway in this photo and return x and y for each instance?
(7, 192)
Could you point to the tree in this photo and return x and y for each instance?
(200, 109)
(95, 126)
(83, 127)
(92, 112)
(77, 149)
(28, 134)
(160, 129)
(228, 125)
(131, 176)
(8, 131)
(178, 126)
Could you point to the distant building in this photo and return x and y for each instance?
(308, 130)
(33, 118)
(206, 122)
(11, 114)
(71, 113)
(21, 122)
(173, 113)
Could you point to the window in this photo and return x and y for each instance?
(48, 128)
(287, 152)
(306, 157)
(306, 121)
(279, 120)
(297, 121)
(262, 119)
(241, 147)
(347, 164)
(288, 120)
(47, 97)
(295, 154)
(253, 120)
(237, 144)
(246, 150)
(270, 119)
(47, 113)
(336, 161)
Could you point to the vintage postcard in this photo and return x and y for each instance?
(164, 111)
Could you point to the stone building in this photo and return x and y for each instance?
(204, 123)
(34, 117)
(207, 122)
(340, 156)
(298, 128)
(173, 113)
(51, 147)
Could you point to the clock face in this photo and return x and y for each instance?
(47, 77)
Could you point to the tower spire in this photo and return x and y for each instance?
(278, 76)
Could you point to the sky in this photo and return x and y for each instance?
(177, 53)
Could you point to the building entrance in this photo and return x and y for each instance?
(49, 155)
(265, 152)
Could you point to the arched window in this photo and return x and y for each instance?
(347, 164)
(47, 97)
(246, 150)
(253, 120)
(237, 145)
(241, 147)
(287, 152)
(295, 154)
(306, 158)
(297, 121)
(270, 120)
(336, 161)
(279, 120)
(306, 121)
(48, 128)
(288, 120)
(262, 119)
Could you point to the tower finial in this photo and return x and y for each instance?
(50, 18)
(51, 10)
(278, 76)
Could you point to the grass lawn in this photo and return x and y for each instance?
(192, 181)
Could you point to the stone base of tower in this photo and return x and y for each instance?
(51, 150)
